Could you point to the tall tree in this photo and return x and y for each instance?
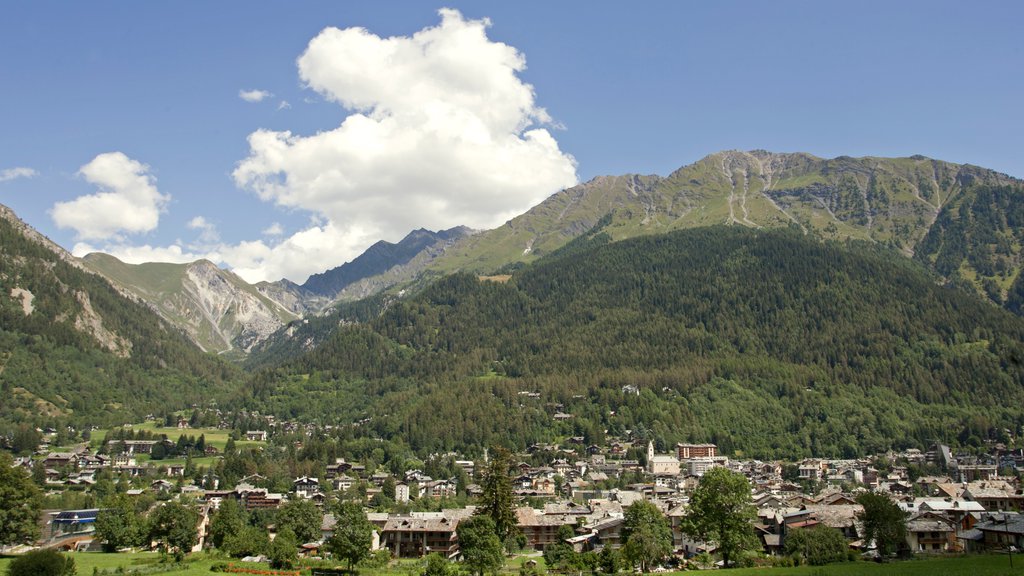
(174, 526)
(496, 500)
(20, 504)
(353, 534)
(647, 536)
(479, 545)
(302, 517)
(117, 524)
(283, 551)
(884, 523)
(229, 519)
(817, 546)
(720, 511)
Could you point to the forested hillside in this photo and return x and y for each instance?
(768, 342)
(73, 350)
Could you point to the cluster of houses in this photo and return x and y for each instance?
(968, 507)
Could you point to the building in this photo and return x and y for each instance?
(928, 532)
(419, 534)
(687, 451)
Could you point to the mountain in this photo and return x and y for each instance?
(73, 349)
(343, 282)
(217, 309)
(774, 343)
(901, 203)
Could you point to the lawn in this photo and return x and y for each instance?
(87, 562)
(214, 436)
(975, 565)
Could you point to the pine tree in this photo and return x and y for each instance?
(496, 501)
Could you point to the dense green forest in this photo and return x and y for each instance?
(769, 343)
(54, 370)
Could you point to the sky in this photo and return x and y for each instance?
(283, 139)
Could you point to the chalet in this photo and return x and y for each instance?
(928, 532)
(963, 513)
(419, 534)
(161, 485)
(306, 486)
(256, 435)
(339, 468)
(437, 489)
(540, 528)
(998, 531)
(60, 460)
(342, 482)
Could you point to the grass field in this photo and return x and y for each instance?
(976, 565)
(214, 436)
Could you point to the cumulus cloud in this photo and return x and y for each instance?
(442, 132)
(284, 105)
(254, 95)
(127, 201)
(18, 172)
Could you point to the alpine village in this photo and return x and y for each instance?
(489, 360)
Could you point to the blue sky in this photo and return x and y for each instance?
(123, 127)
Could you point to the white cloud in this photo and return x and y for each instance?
(442, 132)
(207, 231)
(254, 95)
(146, 253)
(18, 172)
(127, 200)
(274, 229)
(284, 105)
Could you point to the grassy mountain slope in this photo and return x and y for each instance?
(769, 342)
(891, 201)
(219, 310)
(73, 349)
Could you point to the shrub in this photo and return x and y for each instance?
(42, 563)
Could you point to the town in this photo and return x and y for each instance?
(570, 499)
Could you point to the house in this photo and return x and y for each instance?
(995, 496)
(305, 486)
(401, 492)
(539, 528)
(962, 513)
(928, 532)
(418, 534)
(161, 485)
(61, 460)
(256, 435)
(1001, 530)
(841, 517)
(344, 482)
